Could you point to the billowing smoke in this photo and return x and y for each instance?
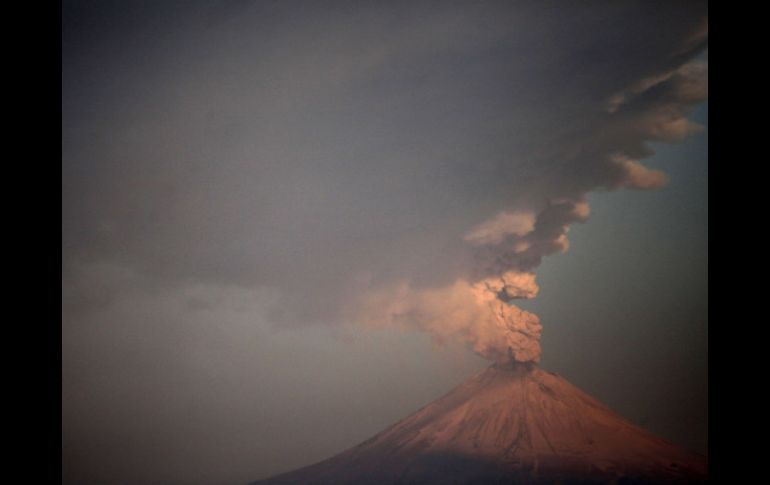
(509, 245)
(407, 164)
(476, 313)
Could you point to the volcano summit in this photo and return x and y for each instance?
(511, 423)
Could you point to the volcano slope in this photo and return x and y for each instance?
(513, 423)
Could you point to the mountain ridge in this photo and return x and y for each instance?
(513, 423)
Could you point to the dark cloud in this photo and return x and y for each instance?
(356, 140)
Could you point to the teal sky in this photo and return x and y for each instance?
(644, 255)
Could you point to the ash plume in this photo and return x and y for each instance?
(411, 164)
(475, 313)
(509, 245)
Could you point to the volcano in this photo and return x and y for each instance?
(512, 423)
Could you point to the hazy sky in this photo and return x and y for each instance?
(273, 211)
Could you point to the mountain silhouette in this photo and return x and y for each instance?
(513, 423)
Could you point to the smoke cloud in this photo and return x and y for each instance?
(477, 314)
(509, 245)
(406, 165)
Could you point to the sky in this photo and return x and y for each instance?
(287, 225)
